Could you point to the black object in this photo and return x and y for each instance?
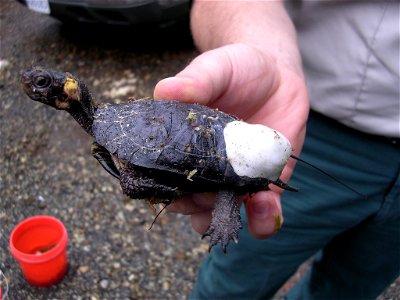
(113, 12)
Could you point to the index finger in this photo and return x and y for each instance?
(192, 203)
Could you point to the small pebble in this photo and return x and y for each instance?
(40, 201)
(86, 248)
(4, 64)
(129, 207)
(83, 269)
(165, 285)
(104, 283)
(116, 265)
(132, 277)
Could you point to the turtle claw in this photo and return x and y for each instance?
(226, 221)
(223, 233)
(205, 235)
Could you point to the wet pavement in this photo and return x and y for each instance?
(47, 168)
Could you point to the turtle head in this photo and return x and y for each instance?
(57, 89)
(60, 90)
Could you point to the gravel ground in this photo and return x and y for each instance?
(46, 166)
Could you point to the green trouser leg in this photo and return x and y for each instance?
(357, 240)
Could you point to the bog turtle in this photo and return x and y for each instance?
(163, 149)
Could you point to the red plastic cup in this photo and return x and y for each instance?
(39, 244)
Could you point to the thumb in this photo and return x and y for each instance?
(264, 214)
(202, 81)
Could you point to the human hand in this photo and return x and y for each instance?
(247, 82)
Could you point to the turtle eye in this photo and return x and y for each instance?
(41, 81)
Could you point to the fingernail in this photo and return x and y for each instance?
(278, 223)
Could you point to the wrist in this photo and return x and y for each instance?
(263, 25)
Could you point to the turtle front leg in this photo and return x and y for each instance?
(226, 221)
(105, 159)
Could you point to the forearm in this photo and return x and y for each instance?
(263, 24)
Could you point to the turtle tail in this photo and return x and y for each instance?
(284, 185)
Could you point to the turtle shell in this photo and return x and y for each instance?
(170, 136)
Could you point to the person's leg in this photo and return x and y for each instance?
(320, 211)
(361, 262)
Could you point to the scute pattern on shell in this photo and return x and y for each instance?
(166, 136)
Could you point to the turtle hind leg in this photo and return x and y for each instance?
(104, 158)
(226, 221)
(138, 183)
